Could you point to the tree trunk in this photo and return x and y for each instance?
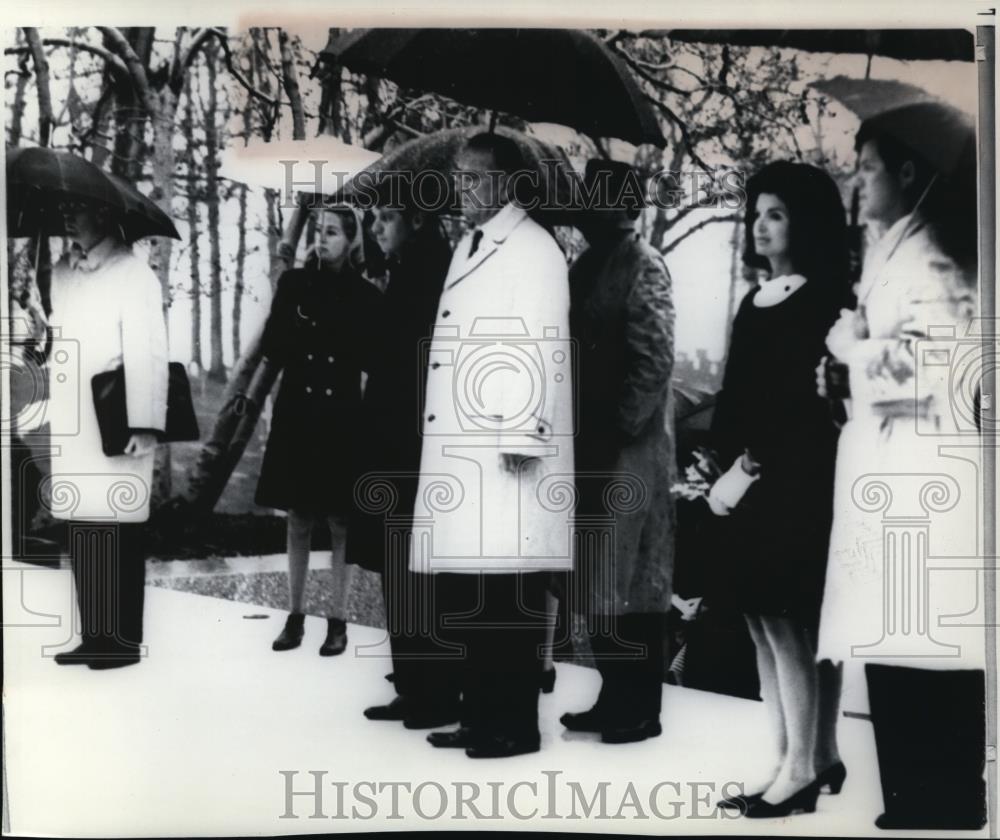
(45, 116)
(241, 259)
(216, 365)
(290, 80)
(275, 263)
(193, 197)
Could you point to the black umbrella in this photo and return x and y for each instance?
(564, 76)
(141, 216)
(423, 167)
(38, 179)
(904, 44)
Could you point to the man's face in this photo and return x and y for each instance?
(481, 187)
(880, 194)
(391, 230)
(82, 223)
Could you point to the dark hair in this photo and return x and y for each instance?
(817, 224)
(506, 153)
(949, 207)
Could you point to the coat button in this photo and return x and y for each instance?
(446, 313)
(330, 359)
(309, 356)
(430, 418)
(329, 391)
(309, 389)
(435, 366)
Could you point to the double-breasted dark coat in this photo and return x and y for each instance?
(389, 451)
(319, 333)
(622, 322)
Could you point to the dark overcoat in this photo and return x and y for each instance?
(622, 321)
(318, 333)
(389, 448)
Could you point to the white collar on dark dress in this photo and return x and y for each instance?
(775, 290)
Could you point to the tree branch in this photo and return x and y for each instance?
(235, 72)
(695, 228)
(136, 71)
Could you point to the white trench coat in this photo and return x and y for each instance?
(106, 312)
(498, 380)
(901, 585)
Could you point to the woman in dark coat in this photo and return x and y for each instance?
(775, 436)
(418, 255)
(315, 333)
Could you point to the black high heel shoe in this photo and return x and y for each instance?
(741, 802)
(831, 780)
(802, 801)
(548, 680)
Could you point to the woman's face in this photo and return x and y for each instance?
(770, 228)
(880, 194)
(391, 230)
(332, 245)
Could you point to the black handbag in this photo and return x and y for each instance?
(112, 413)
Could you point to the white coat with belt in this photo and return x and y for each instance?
(498, 381)
(107, 312)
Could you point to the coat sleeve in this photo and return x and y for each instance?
(144, 348)
(933, 296)
(649, 346)
(273, 339)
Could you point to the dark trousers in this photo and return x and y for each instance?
(500, 620)
(109, 570)
(930, 735)
(426, 666)
(629, 655)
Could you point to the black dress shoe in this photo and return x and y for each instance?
(503, 746)
(291, 635)
(548, 681)
(428, 717)
(463, 737)
(922, 821)
(801, 802)
(80, 655)
(336, 637)
(396, 710)
(105, 660)
(593, 720)
(632, 733)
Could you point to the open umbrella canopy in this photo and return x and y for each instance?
(38, 179)
(564, 76)
(904, 44)
(940, 133)
(141, 217)
(868, 97)
(421, 169)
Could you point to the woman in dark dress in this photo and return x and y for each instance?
(775, 436)
(418, 255)
(316, 334)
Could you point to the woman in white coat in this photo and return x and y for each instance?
(106, 313)
(901, 498)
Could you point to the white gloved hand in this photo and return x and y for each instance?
(730, 488)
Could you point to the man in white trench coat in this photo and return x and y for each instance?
(493, 507)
